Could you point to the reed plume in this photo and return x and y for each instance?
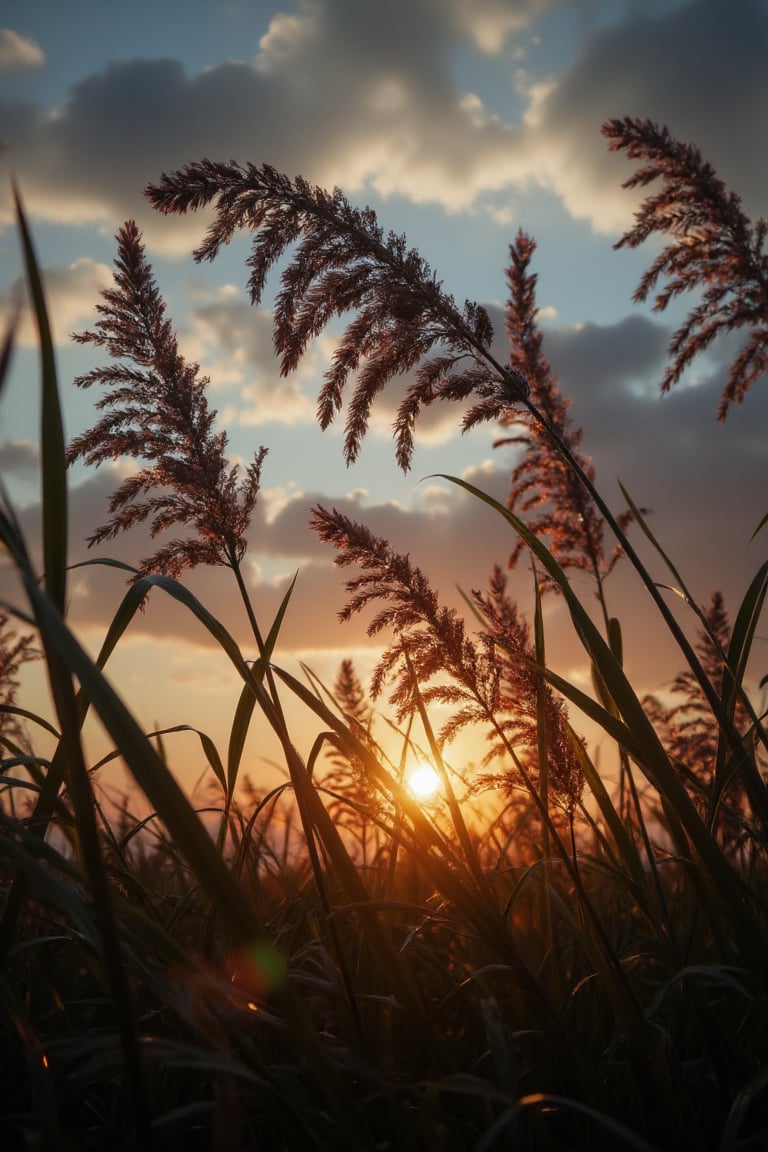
(687, 726)
(341, 261)
(155, 410)
(490, 680)
(545, 480)
(712, 247)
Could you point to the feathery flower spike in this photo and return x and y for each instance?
(156, 411)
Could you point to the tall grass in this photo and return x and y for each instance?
(337, 965)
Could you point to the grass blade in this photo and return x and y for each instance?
(724, 890)
(54, 485)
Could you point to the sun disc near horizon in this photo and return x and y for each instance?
(423, 781)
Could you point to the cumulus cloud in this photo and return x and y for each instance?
(71, 294)
(668, 450)
(18, 53)
(664, 63)
(491, 23)
(663, 448)
(19, 458)
(232, 341)
(344, 93)
(369, 97)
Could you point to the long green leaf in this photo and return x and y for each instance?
(626, 846)
(723, 709)
(150, 773)
(6, 351)
(54, 485)
(247, 699)
(739, 651)
(277, 623)
(653, 760)
(237, 737)
(436, 858)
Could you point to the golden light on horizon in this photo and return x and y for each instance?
(423, 782)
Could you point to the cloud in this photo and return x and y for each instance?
(71, 294)
(368, 97)
(343, 93)
(448, 534)
(232, 341)
(663, 448)
(669, 450)
(19, 458)
(491, 23)
(669, 64)
(623, 357)
(18, 53)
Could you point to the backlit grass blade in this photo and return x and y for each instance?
(652, 757)
(438, 861)
(728, 736)
(743, 632)
(737, 658)
(274, 632)
(34, 717)
(620, 1135)
(760, 526)
(53, 462)
(625, 845)
(149, 772)
(247, 701)
(459, 825)
(210, 750)
(379, 775)
(734, 664)
(731, 1139)
(55, 879)
(237, 736)
(6, 349)
(60, 679)
(645, 528)
(46, 801)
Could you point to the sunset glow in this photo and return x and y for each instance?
(386, 794)
(423, 782)
(486, 157)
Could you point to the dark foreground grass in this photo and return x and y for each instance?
(546, 964)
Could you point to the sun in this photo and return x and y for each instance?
(423, 781)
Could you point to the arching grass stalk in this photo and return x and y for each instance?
(341, 262)
(457, 817)
(622, 996)
(756, 791)
(637, 733)
(451, 877)
(734, 661)
(630, 808)
(543, 745)
(71, 764)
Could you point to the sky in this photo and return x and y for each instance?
(458, 123)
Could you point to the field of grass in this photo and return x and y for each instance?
(535, 961)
